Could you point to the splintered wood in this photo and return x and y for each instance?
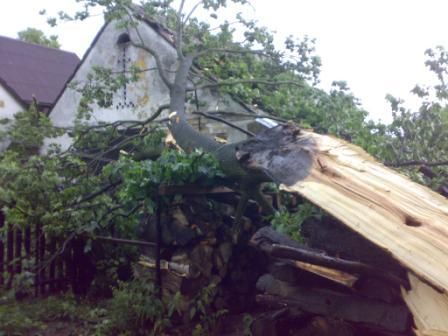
(406, 219)
(402, 217)
(429, 308)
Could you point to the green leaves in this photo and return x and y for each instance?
(33, 35)
(28, 130)
(141, 178)
(290, 222)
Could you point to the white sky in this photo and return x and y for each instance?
(376, 46)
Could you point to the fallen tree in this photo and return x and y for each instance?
(405, 220)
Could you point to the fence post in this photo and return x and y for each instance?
(2, 249)
(61, 275)
(10, 255)
(27, 242)
(18, 250)
(69, 268)
(52, 275)
(43, 267)
(36, 259)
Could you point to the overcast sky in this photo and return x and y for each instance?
(377, 46)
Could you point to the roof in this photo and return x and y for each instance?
(29, 70)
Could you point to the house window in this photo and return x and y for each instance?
(123, 39)
(123, 64)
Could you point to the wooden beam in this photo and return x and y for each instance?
(125, 241)
(340, 277)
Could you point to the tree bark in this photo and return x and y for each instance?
(266, 239)
(380, 315)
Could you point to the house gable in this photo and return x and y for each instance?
(141, 99)
(9, 106)
(9, 103)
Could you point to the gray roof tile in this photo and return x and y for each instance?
(29, 70)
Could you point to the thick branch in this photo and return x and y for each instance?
(117, 124)
(189, 138)
(193, 9)
(248, 81)
(416, 163)
(125, 241)
(321, 259)
(179, 31)
(143, 46)
(228, 51)
(97, 193)
(186, 136)
(206, 115)
(119, 145)
(247, 115)
(42, 266)
(158, 62)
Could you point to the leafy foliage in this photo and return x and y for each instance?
(201, 308)
(107, 180)
(419, 138)
(72, 198)
(140, 179)
(48, 315)
(144, 311)
(290, 223)
(33, 35)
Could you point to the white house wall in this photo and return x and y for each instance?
(147, 94)
(9, 106)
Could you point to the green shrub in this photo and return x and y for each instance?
(135, 309)
(290, 223)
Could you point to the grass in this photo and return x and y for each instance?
(62, 316)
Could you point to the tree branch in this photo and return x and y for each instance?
(158, 62)
(42, 266)
(247, 81)
(295, 253)
(416, 163)
(125, 241)
(228, 51)
(206, 115)
(246, 115)
(193, 9)
(117, 124)
(151, 51)
(96, 193)
(124, 215)
(179, 31)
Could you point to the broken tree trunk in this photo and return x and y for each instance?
(406, 219)
(429, 308)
